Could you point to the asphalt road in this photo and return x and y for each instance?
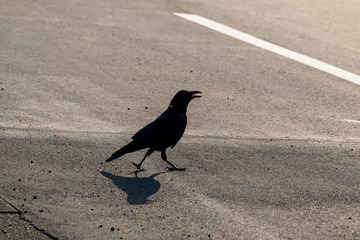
(271, 149)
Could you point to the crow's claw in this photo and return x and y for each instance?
(138, 166)
(170, 169)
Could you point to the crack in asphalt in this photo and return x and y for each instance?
(21, 217)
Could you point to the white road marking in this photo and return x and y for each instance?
(351, 121)
(312, 62)
(345, 120)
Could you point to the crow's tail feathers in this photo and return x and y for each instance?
(131, 147)
(117, 154)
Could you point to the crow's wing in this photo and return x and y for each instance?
(164, 132)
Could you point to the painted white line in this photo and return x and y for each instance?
(351, 121)
(312, 62)
(345, 120)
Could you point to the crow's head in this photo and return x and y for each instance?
(182, 99)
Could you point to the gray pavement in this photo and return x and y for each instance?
(14, 226)
(271, 148)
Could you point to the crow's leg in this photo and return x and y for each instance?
(138, 166)
(174, 168)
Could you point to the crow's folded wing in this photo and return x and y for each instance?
(164, 132)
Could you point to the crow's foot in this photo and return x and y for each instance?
(175, 169)
(138, 166)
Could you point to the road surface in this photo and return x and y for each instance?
(271, 149)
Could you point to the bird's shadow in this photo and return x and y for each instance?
(138, 189)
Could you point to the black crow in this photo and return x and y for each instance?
(162, 133)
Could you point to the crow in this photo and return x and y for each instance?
(163, 132)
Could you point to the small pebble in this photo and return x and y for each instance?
(112, 229)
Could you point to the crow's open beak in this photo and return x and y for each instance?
(193, 94)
